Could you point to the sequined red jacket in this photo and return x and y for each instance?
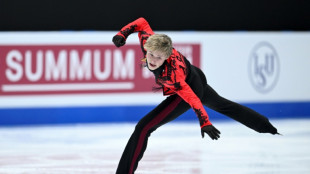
(172, 78)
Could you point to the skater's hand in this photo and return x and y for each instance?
(211, 131)
(118, 40)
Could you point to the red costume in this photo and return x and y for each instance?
(173, 77)
(186, 87)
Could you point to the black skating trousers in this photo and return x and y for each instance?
(173, 106)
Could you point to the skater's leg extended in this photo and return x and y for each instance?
(168, 110)
(240, 113)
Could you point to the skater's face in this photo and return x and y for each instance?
(155, 59)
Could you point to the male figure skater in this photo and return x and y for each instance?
(186, 87)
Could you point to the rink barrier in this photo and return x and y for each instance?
(81, 77)
(121, 114)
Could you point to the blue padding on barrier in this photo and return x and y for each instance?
(69, 115)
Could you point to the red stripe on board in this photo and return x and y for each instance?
(154, 122)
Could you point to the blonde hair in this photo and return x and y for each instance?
(159, 42)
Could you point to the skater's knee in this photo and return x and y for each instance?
(142, 128)
(139, 127)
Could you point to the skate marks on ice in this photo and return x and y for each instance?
(175, 148)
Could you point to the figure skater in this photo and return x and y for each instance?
(186, 87)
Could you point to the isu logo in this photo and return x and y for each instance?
(264, 67)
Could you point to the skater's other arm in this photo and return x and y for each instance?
(187, 94)
(140, 25)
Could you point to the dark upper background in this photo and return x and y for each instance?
(206, 15)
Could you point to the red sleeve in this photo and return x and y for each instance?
(173, 81)
(140, 25)
(188, 95)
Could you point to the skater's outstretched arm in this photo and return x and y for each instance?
(175, 83)
(140, 25)
(206, 126)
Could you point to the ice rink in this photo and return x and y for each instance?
(175, 148)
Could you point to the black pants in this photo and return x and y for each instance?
(173, 106)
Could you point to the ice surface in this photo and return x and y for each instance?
(175, 148)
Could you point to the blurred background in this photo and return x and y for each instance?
(210, 15)
(69, 99)
(60, 66)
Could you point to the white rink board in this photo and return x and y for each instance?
(226, 58)
(225, 61)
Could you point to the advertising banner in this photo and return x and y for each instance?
(78, 69)
(70, 77)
